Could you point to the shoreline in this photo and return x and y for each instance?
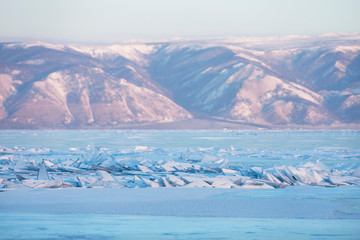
(194, 124)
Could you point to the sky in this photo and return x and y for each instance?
(108, 21)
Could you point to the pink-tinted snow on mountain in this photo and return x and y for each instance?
(264, 82)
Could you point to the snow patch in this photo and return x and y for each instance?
(133, 52)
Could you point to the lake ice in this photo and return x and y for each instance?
(176, 176)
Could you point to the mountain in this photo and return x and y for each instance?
(265, 82)
(55, 86)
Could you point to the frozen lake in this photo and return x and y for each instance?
(265, 140)
(181, 213)
(132, 184)
(265, 147)
(95, 226)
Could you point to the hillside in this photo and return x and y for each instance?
(269, 82)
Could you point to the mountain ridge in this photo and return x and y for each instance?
(274, 82)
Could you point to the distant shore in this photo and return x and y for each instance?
(192, 124)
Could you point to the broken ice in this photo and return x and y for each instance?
(143, 166)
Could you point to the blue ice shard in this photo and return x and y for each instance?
(42, 174)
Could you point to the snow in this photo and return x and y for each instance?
(144, 96)
(260, 88)
(34, 62)
(141, 148)
(15, 72)
(247, 54)
(347, 49)
(131, 51)
(340, 65)
(206, 70)
(59, 47)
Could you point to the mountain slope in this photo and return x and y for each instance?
(274, 81)
(62, 88)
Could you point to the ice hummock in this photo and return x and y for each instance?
(148, 167)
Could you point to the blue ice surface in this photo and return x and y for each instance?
(310, 202)
(252, 147)
(265, 140)
(99, 226)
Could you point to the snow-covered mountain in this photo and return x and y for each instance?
(266, 81)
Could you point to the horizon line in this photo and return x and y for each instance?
(7, 39)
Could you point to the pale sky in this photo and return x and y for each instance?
(108, 21)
